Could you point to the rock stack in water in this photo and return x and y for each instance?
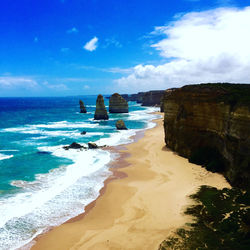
(100, 111)
(120, 125)
(82, 107)
(117, 104)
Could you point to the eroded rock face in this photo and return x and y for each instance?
(210, 125)
(117, 104)
(152, 98)
(82, 107)
(120, 125)
(101, 111)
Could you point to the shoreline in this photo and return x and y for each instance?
(102, 233)
(116, 174)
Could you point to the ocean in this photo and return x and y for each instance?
(43, 185)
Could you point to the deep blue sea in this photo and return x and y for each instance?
(41, 184)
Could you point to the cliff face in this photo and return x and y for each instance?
(117, 104)
(101, 111)
(152, 98)
(210, 125)
(136, 97)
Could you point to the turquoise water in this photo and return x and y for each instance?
(41, 184)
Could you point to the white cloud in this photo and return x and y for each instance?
(8, 82)
(115, 70)
(86, 87)
(57, 87)
(112, 42)
(208, 46)
(72, 30)
(92, 44)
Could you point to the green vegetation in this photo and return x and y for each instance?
(221, 221)
(234, 94)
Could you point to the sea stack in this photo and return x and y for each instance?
(117, 104)
(100, 111)
(120, 125)
(82, 107)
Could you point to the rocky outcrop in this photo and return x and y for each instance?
(117, 104)
(210, 125)
(101, 111)
(152, 98)
(82, 107)
(120, 125)
(92, 145)
(74, 145)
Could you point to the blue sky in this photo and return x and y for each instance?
(73, 47)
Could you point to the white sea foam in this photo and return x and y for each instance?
(39, 204)
(5, 157)
(60, 125)
(143, 114)
(38, 137)
(118, 138)
(65, 124)
(90, 106)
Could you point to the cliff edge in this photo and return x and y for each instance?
(210, 125)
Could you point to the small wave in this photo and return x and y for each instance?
(36, 127)
(118, 138)
(5, 157)
(9, 150)
(143, 114)
(65, 124)
(39, 137)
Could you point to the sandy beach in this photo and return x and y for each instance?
(139, 208)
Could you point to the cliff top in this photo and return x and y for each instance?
(233, 94)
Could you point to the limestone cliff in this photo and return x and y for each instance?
(152, 98)
(101, 111)
(117, 104)
(136, 97)
(210, 125)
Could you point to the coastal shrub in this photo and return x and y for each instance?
(221, 221)
(209, 158)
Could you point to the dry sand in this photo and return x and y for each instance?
(140, 210)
